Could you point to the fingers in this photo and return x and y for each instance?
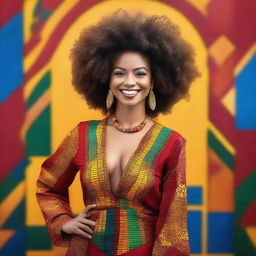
(85, 228)
(89, 207)
(88, 222)
(82, 233)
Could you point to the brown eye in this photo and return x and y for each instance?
(118, 73)
(141, 74)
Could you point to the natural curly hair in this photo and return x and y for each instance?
(170, 57)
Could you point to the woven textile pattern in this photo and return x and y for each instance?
(147, 212)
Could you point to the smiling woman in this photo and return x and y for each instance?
(170, 58)
(132, 168)
(130, 80)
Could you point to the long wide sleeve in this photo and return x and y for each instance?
(171, 228)
(57, 173)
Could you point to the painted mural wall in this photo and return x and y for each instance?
(39, 107)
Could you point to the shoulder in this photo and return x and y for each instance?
(176, 136)
(87, 126)
(86, 123)
(91, 121)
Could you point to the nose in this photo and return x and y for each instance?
(130, 80)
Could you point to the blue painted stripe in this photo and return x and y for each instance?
(11, 54)
(15, 245)
(245, 84)
(109, 239)
(195, 231)
(220, 232)
(195, 195)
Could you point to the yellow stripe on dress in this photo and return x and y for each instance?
(123, 242)
(141, 180)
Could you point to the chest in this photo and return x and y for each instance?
(120, 147)
(122, 165)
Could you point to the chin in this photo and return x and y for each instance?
(130, 104)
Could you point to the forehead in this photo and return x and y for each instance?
(131, 59)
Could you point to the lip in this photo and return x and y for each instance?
(130, 95)
(129, 89)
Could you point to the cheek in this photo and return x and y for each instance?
(146, 85)
(114, 81)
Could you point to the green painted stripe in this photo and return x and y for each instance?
(40, 88)
(38, 137)
(242, 243)
(133, 229)
(37, 238)
(245, 194)
(46, 14)
(13, 179)
(92, 151)
(158, 144)
(220, 150)
(37, 9)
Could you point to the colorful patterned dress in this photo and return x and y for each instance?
(146, 215)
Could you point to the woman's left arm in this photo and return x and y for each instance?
(171, 229)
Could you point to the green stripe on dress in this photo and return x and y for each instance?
(133, 229)
(98, 240)
(109, 239)
(158, 144)
(123, 203)
(92, 151)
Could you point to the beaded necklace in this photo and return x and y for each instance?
(128, 130)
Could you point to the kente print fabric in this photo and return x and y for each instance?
(146, 215)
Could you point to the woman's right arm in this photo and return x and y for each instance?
(57, 173)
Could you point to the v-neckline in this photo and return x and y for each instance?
(103, 139)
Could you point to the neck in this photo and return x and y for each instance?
(130, 116)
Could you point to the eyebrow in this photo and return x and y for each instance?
(134, 69)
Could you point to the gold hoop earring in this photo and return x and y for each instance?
(152, 100)
(109, 99)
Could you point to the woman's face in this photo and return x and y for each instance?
(130, 80)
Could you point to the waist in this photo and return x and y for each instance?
(120, 230)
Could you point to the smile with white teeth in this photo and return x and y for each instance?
(129, 93)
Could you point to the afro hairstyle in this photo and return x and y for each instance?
(171, 58)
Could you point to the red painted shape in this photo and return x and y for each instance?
(57, 36)
(225, 10)
(11, 147)
(245, 161)
(51, 4)
(222, 118)
(248, 218)
(34, 40)
(222, 76)
(200, 22)
(8, 9)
